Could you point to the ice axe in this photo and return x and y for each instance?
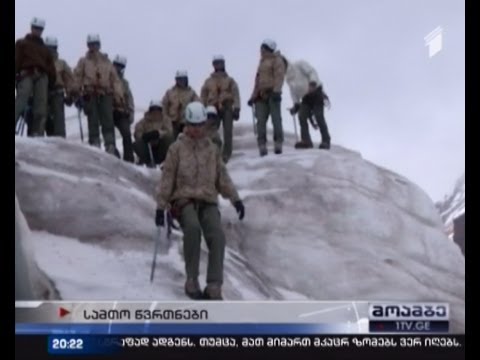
(150, 152)
(20, 126)
(80, 122)
(161, 245)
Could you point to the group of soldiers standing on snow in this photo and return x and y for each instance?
(180, 131)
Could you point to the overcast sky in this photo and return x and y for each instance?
(390, 101)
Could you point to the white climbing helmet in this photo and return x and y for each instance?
(195, 113)
(51, 41)
(218, 58)
(38, 22)
(271, 44)
(155, 104)
(181, 74)
(120, 60)
(93, 38)
(211, 110)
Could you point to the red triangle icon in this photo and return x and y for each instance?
(62, 312)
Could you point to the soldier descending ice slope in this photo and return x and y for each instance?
(123, 113)
(62, 93)
(192, 177)
(221, 90)
(154, 132)
(34, 75)
(99, 86)
(267, 96)
(309, 99)
(176, 100)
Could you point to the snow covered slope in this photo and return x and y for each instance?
(453, 205)
(31, 282)
(319, 225)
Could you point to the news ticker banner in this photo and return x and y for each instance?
(148, 346)
(230, 317)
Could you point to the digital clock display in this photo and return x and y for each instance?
(69, 344)
(65, 344)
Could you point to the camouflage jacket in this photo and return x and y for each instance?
(96, 74)
(64, 75)
(193, 169)
(176, 100)
(219, 89)
(151, 122)
(129, 105)
(270, 75)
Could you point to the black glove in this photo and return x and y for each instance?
(295, 109)
(68, 100)
(276, 96)
(240, 209)
(159, 217)
(151, 136)
(250, 102)
(236, 113)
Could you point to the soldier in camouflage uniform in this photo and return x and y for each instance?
(267, 96)
(34, 74)
(123, 114)
(153, 130)
(62, 93)
(212, 126)
(193, 175)
(176, 100)
(100, 88)
(221, 90)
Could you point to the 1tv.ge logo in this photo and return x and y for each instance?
(408, 311)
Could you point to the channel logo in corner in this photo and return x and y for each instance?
(409, 317)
